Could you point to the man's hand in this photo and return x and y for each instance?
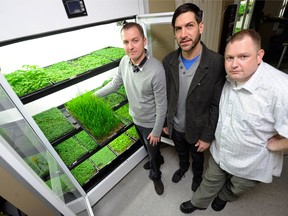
(153, 140)
(277, 143)
(202, 146)
(165, 130)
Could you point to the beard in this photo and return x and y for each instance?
(190, 47)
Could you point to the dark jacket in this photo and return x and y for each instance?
(202, 103)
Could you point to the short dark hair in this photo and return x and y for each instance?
(188, 7)
(129, 25)
(254, 35)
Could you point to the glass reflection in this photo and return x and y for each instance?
(21, 137)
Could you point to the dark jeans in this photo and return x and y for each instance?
(183, 148)
(153, 152)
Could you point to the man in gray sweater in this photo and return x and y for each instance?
(144, 80)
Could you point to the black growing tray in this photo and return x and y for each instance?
(68, 82)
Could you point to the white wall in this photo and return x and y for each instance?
(20, 18)
(212, 20)
(52, 49)
(26, 18)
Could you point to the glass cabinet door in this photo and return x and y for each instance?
(37, 161)
(244, 15)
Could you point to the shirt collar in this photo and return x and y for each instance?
(139, 67)
(252, 84)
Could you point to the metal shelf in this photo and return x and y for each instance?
(66, 83)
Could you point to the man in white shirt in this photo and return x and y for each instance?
(252, 128)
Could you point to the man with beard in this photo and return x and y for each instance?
(195, 77)
(251, 133)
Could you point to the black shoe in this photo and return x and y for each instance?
(195, 184)
(177, 176)
(188, 207)
(218, 204)
(159, 187)
(147, 166)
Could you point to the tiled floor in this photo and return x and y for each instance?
(135, 196)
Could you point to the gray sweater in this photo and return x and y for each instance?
(146, 92)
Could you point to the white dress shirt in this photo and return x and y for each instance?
(249, 115)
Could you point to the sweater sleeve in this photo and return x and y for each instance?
(159, 89)
(112, 86)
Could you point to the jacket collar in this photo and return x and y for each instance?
(200, 72)
(203, 61)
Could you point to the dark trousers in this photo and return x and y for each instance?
(153, 152)
(183, 149)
